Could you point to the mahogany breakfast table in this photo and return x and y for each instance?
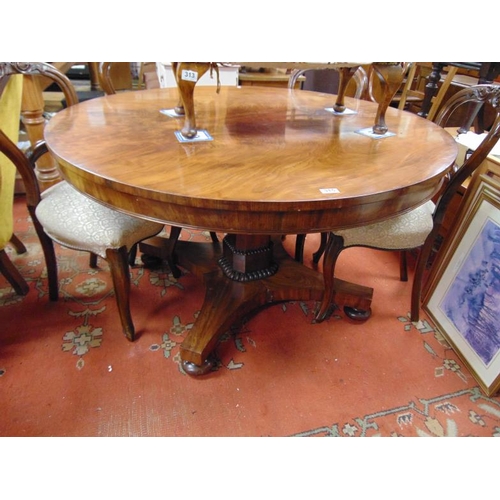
(276, 162)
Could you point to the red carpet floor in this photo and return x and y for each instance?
(67, 370)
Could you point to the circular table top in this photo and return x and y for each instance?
(278, 162)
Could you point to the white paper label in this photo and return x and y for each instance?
(189, 76)
(329, 191)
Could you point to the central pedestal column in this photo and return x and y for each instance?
(244, 273)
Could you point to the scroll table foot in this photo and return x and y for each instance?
(196, 370)
(357, 314)
(225, 303)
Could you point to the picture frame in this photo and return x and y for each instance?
(463, 298)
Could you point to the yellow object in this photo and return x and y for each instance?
(10, 110)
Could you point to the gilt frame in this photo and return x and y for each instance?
(463, 298)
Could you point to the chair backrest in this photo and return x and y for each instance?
(25, 164)
(479, 95)
(357, 87)
(37, 76)
(43, 70)
(116, 76)
(374, 88)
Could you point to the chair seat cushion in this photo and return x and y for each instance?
(402, 232)
(76, 221)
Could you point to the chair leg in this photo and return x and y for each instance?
(153, 256)
(420, 267)
(132, 255)
(173, 237)
(214, 237)
(299, 247)
(93, 260)
(120, 273)
(50, 256)
(403, 265)
(12, 274)
(334, 245)
(17, 244)
(319, 252)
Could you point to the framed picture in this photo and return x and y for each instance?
(464, 293)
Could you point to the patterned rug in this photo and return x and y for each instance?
(67, 370)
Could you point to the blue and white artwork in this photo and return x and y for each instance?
(472, 302)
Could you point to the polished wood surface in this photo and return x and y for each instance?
(273, 152)
(279, 163)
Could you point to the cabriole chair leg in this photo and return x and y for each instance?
(334, 246)
(118, 264)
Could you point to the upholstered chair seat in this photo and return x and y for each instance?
(403, 232)
(78, 222)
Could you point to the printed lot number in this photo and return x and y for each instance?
(189, 76)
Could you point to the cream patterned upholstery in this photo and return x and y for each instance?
(78, 222)
(403, 232)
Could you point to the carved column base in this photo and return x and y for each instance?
(247, 264)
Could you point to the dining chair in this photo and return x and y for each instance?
(418, 228)
(10, 109)
(63, 215)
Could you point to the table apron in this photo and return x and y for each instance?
(328, 216)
